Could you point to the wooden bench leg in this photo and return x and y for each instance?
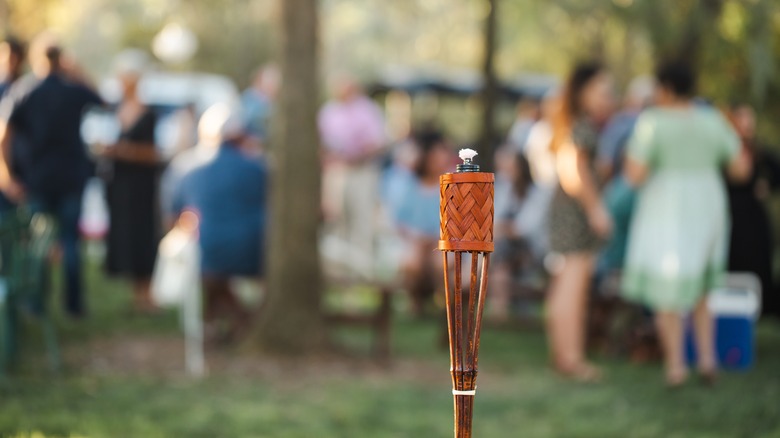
(5, 334)
(383, 326)
(52, 347)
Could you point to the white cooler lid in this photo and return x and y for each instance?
(734, 302)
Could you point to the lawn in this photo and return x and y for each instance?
(123, 378)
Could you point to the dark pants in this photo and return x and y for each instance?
(5, 204)
(66, 209)
(222, 304)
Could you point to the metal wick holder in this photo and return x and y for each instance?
(467, 166)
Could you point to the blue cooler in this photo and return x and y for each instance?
(735, 309)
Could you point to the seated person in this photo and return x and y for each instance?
(418, 219)
(397, 178)
(185, 160)
(228, 194)
(520, 238)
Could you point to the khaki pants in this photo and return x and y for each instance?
(350, 200)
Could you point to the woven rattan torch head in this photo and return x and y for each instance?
(466, 208)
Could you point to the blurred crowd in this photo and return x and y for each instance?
(654, 201)
(214, 186)
(651, 198)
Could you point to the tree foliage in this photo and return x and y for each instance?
(736, 43)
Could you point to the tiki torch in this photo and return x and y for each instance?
(466, 215)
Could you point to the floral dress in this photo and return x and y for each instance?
(569, 228)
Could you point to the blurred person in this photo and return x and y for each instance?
(751, 244)
(418, 219)
(541, 159)
(257, 102)
(352, 132)
(398, 176)
(619, 196)
(12, 54)
(53, 167)
(527, 114)
(185, 121)
(228, 195)
(578, 220)
(679, 232)
(209, 139)
(614, 138)
(520, 235)
(537, 149)
(131, 174)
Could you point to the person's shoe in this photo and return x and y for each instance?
(144, 306)
(580, 373)
(676, 378)
(708, 377)
(76, 313)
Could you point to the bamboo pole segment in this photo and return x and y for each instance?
(466, 213)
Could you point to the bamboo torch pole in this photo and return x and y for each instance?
(466, 213)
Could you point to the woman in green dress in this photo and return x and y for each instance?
(678, 240)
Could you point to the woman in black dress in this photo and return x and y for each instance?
(751, 247)
(131, 187)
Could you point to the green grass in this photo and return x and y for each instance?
(517, 397)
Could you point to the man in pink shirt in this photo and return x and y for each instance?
(352, 133)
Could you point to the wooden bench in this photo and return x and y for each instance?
(378, 319)
(344, 272)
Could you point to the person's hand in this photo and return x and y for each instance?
(72, 70)
(14, 191)
(600, 221)
(762, 189)
(366, 156)
(505, 229)
(188, 222)
(103, 150)
(116, 151)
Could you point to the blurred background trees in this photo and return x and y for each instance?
(736, 42)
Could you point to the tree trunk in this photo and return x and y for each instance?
(487, 138)
(5, 17)
(702, 26)
(291, 321)
(687, 42)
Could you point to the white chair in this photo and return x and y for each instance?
(176, 283)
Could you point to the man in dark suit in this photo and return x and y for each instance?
(49, 171)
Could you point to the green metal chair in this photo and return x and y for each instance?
(25, 243)
(9, 229)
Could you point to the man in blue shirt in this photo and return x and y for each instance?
(52, 167)
(257, 103)
(228, 194)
